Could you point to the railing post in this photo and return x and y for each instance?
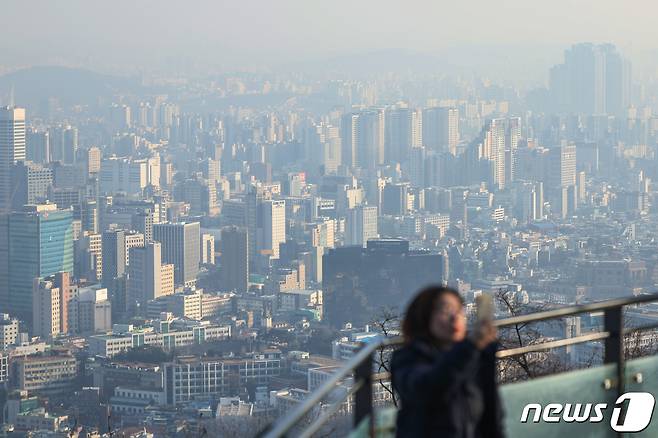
(363, 396)
(614, 344)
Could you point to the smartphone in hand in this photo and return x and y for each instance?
(485, 308)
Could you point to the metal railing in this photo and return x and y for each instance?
(360, 365)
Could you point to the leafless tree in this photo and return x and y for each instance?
(388, 323)
(526, 365)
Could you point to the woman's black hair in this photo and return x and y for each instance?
(416, 324)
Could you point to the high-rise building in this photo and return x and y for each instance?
(180, 246)
(561, 170)
(207, 249)
(64, 144)
(50, 304)
(38, 146)
(357, 282)
(12, 150)
(441, 129)
(114, 255)
(363, 139)
(31, 182)
(145, 274)
(274, 226)
(403, 132)
(594, 79)
(234, 259)
(500, 145)
(361, 225)
(40, 239)
(89, 257)
(395, 199)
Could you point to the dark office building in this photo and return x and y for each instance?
(359, 282)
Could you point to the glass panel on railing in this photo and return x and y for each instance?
(545, 399)
(642, 376)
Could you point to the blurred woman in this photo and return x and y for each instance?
(445, 380)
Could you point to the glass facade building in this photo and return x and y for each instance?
(40, 244)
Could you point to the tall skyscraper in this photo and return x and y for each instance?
(274, 226)
(499, 147)
(12, 150)
(50, 305)
(145, 274)
(403, 132)
(441, 129)
(594, 79)
(180, 246)
(114, 255)
(363, 139)
(40, 244)
(361, 225)
(234, 259)
(38, 146)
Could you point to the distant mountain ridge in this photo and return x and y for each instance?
(35, 85)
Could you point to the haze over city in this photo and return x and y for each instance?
(347, 218)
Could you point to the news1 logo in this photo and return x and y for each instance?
(632, 412)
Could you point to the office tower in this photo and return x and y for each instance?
(403, 132)
(395, 199)
(89, 257)
(361, 225)
(363, 139)
(528, 201)
(93, 161)
(200, 194)
(561, 170)
(90, 311)
(212, 170)
(89, 216)
(323, 233)
(50, 305)
(143, 222)
(114, 255)
(207, 249)
(40, 239)
(38, 146)
(252, 219)
(322, 145)
(234, 260)
(594, 79)
(31, 182)
(499, 147)
(358, 282)
(416, 167)
(274, 226)
(12, 150)
(120, 174)
(145, 274)
(133, 240)
(180, 246)
(64, 144)
(441, 129)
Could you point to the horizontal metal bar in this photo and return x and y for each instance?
(279, 428)
(287, 422)
(574, 310)
(641, 328)
(509, 352)
(315, 426)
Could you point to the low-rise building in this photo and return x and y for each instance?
(49, 374)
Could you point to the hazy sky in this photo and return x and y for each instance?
(130, 32)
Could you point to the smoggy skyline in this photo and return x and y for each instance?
(125, 35)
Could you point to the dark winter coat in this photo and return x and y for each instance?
(446, 393)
